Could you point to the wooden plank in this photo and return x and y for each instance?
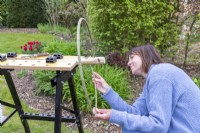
(39, 63)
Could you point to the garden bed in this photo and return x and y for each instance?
(25, 87)
(19, 30)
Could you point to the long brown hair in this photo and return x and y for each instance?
(148, 55)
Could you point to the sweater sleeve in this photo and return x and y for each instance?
(160, 108)
(117, 103)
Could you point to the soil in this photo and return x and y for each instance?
(19, 30)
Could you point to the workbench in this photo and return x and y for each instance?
(65, 69)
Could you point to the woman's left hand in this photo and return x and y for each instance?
(103, 114)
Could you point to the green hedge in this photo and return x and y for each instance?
(3, 13)
(25, 13)
(123, 24)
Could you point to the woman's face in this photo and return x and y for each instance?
(135, 63)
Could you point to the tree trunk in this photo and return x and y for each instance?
(187, 41)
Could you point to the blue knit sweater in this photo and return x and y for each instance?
(169, 103)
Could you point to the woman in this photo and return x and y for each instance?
(169, 103)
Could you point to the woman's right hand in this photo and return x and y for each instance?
(100, 83)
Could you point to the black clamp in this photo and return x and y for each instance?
(3, 57)
(51, 59)
(11, 54)
(58, 56)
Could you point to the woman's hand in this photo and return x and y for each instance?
(100, 83)
(103, 114)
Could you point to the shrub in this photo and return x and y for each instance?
(3, 12)
(117, 59)
(1, 19)
(22, 73)
(123, 24)
(43, 84)
(71, 13)
(25, 14)
(61, 47)
(44, 28)
(47, 28)
(116, 77)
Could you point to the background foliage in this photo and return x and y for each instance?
(25, 14)
(53, 8)
(124, 24)
(71, 13)
(3, 12)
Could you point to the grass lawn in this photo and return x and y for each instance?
(11, 42)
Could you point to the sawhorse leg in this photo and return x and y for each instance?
(75, 104)
(58, 102)
(59, 80)
(15, 97)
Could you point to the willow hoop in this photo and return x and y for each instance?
(80, 64)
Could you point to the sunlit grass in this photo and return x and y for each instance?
(11, 42)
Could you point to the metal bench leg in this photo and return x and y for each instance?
(16, 100)
(75, 104)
